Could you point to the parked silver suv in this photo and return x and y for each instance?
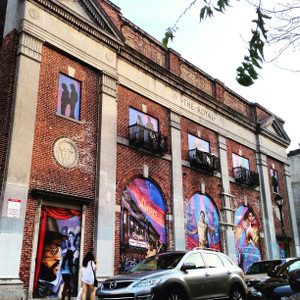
(181, 275)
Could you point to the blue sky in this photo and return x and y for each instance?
(218, 46)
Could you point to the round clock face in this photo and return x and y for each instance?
(65, 152)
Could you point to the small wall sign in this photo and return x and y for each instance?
(14, 208)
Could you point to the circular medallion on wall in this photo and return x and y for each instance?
(65, 152)
(34, 14)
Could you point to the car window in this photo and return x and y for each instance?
(294, 266)
(212, 260)
(226, 261)
(289, 266)
(159, 262)
(197, 259)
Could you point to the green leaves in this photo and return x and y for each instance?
(168, 36)
(246, 74)
(205, 12)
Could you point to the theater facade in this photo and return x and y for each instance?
(109, 143)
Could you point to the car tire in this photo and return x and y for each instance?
(237, 293)
(174, 294)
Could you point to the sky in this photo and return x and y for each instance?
(217, 46)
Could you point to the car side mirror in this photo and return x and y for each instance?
(188, 266)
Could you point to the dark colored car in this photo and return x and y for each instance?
(277, 285)
(180, 275)
(259, 270)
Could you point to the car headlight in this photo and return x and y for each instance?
(147, 282)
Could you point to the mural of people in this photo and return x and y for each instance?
(202, 230)
(73, 101)
(48, 280)
(140, 118)
(143, 215)
(68, 102)
(246, 237)
(202, 223)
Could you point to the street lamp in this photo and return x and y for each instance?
(279, 201)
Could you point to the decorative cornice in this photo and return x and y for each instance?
(30, 46)
(100, 33)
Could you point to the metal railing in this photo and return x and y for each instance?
(204, 160)
(245, 176)
(143, 137)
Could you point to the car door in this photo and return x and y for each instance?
(217, 274)
(196, 279)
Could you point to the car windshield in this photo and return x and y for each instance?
(264, 266)
(288, 267)
(159, 262)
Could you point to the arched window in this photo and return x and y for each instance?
(143, 205)
(247, 242)
(202, 223)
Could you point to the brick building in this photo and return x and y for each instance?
(110, 143)
(294, 161)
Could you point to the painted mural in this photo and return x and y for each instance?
(200, 144)
(282, 252)
(246, 237)
(68, 102)
(274, 178)
(143, 229)
(202, 223)
(140, 118)
(59, 232)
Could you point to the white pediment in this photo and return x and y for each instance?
(77, 7)
(91, 13)
(273, 125)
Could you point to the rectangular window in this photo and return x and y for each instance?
(69, 96)
(239, 164)
(239, 161)
(274, 179)
(142, 119)
(196, 142)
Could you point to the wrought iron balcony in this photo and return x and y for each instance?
(143, 137)
(204, 160)
(245, 176)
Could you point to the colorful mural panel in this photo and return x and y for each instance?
(274, 178)
(143, 216)
(202, 223)
(59, 232)
(68, 102)
(140, 118)
(200, 144)
(246, 237)
(239, 161)
(282, 252)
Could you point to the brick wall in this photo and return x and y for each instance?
(276, 165)
(8, 60)
(189, 127)
(46, 173)
(236, 148)
(50, 127)
(130, 161)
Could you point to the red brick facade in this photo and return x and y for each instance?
(202, 105)
(8, 60)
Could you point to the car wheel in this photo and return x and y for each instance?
(236, 293)
(175, 294)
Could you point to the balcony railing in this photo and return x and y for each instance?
(204, 160)
(245, 176)
(143, 137)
